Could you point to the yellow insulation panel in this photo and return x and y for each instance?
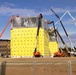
(23, 42)
(53, 46)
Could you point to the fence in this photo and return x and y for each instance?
(38, 68)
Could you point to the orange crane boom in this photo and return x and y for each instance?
(6, 25)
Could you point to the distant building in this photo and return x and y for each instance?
(4, 47)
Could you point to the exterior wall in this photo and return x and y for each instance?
(23, 42)
(23, 37)
(5, 48)
(53, 46)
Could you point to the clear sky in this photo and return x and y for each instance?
(33, 8)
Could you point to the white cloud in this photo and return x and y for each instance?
(6, 9)
(62, 10)
(6, 4)
(16, 11)
(70, 19)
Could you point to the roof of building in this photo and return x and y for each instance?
(4, 40)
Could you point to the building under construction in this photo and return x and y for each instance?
(32, 37)
(29, 35)
(24, 37)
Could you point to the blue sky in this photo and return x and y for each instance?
(33, 8)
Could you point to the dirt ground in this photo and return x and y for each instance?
(38, 66)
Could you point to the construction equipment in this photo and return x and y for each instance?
(10, 19)
(67, 50)
(67, 12)
(37, 53)
(19, 40)
(5, 27)
(64, 30)
(60, 53)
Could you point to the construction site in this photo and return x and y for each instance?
(35, 48)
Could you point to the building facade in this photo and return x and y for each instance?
(4, 48)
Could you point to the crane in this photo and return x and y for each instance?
(6, 25)
(64, 27)
(60, 54)
(67, 12)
